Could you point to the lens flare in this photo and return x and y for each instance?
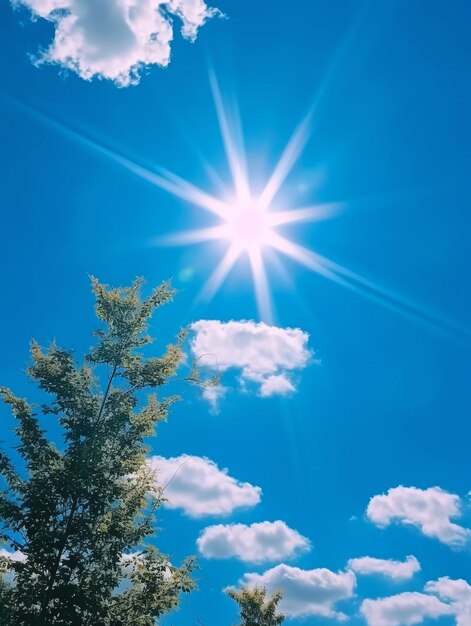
(249, 224)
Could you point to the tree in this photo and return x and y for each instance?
(78, 513)
(255, 608)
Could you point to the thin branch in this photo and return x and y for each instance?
(175, 473)
(194, 611)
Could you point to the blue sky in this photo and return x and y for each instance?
(381, 400)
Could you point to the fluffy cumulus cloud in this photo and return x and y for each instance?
(457, 593)
(116, 39)
(396, 570)
(265, 541)
(306, 592)
(403, 609)
(198, 487)
(264, 355)
(430, 510)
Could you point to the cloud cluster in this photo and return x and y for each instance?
(396, 570)
(444, 596)
(429, 510)
(264, 355)
(455, 592)
(306, 592)
(265, 541)
(116, 39)
(198, 487)
(403, 609)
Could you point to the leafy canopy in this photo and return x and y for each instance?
(78, 515)
(255, 608)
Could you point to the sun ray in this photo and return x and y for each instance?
(307, 214)
(287, 161)
(176, 186)
(188, 237)
(262, 290)
(164, 180)
(357, 283)
(185, 190)
(234, 154)
(220, 273)
(302, 255)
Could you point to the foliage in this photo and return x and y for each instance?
(255, 608)
(79, 514)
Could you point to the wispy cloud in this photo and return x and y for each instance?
(115, 39)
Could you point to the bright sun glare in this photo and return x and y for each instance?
(249, 228)
(249, 224)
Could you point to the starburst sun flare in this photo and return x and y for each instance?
(249, 224)
(249, 228)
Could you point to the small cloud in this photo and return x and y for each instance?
(12, 556)
(115, 39)
(306, 592)
(264, 541)
(278, 385)
(403, 609)
(198, 487)
(429, 510)
(214, 395)
(396, 570)
(265, 356)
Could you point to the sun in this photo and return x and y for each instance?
(248, 223)
(252, 224)
(249, 227)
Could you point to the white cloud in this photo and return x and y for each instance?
(406, 609)
(455, 592)
(306, 592)
(198, 487)
(116, 39)
(396, 570)
(265, 355)
(6, 558)
(12, 556)
(403, 609)
(214, 395)
(276, 385)
(429, 510)
(265, 541)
